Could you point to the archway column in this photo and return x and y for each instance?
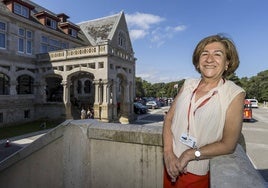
(13, 85)
(125, 111)
(66, 98)
(98, 98)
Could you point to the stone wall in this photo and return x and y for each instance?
(88, 153)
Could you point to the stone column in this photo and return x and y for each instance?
(13, 84)
(124, 119)
(105, 93)
(114, 101)
(66, 98)
(97, 102)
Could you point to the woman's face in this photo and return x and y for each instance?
(212, 61)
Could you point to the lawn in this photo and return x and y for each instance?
(17, 130)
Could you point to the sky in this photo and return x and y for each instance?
(164, 33)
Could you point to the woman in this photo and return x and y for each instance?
(205, 120)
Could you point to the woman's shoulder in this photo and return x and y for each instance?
(229, 90)
(191, 81)
(232, 86)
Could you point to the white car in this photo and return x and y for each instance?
(254, 103)
(152, 104)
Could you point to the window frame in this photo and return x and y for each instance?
(3, 32)
(21, 10)
(4, 83)
(25, 41)
(51, 23)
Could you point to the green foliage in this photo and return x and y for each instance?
(25, 128)
(255, 87)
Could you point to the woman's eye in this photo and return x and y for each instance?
(218, 54)
(204, 54)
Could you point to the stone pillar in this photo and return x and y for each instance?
(114, 101)
(105, 93)
(13, 84)
(124, 119)
(98, 101)
(66, 98)
(39, 92)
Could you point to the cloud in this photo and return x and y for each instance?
(143, 25)
(160, 35)
(142, 20)
(137, 33)
(140, 24)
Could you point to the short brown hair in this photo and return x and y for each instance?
(231, 52)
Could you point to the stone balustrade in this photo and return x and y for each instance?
(81, 52)
(88, 153)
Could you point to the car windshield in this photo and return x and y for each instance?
(139, 104)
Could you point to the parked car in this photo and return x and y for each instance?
(140, 108)
(254, 103)
(247, 110)
(152, 104)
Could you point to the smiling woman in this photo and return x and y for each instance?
(213, 107)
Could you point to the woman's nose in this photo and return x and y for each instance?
(210, 58)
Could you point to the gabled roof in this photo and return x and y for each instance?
(102, 29)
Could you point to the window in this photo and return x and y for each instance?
(1, 117)
(101, 65)
(64, 45)
(50, 44)
(25, 41)
(79, 86)
(21, 10)
(72, 32)
(51, 23)
(29, 42)
(4, 84)
(26, 114)
(25, 84)
(3, 35)
(122, 39)
(87, 87)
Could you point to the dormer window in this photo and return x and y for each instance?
(48, 19)
(51, 23)
(72, 32)
(21, 10)
(19, 7)
(69, 28)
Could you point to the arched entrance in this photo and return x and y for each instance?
(82, 92)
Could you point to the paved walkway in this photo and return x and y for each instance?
(18, 142)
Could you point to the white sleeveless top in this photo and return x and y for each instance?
(206, 122)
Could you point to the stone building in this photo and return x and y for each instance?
(52, 68)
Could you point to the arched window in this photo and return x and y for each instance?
(122, 39)
(79, 87)
(4, 84)
(25, 84)
(87, 88)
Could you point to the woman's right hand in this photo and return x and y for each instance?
(171, 161)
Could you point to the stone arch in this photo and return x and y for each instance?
(25, 84)
(4, 84)
(122, 97)
(53, 88)
(81, 91)
(82, 86)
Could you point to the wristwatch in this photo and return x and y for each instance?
(197, 154)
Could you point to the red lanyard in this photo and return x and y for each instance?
(199, 106)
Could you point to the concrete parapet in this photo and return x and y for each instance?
(234, 170)
(89, 153)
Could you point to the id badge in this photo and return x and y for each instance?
(188, 140)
